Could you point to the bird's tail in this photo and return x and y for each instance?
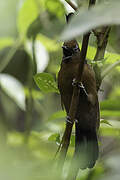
(86, 148)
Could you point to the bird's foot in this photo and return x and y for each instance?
(79, 85)
(74, 83)
(68, 120)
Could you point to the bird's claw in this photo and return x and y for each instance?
(74, 83)
(68, 119)
(79, 85)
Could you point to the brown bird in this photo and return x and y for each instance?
(87, 115)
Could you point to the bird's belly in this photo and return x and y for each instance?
(86, 115)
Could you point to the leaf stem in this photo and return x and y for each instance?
(34, 56)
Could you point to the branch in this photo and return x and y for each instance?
(74, 102)
(71, 5)
(102, 39)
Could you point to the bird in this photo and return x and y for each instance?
(87, 118)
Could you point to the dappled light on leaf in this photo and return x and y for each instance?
(46, 82)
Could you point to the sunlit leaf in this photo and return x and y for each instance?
(46, 82)
(100, 15)
(53, 5)
(14, 89)
(27, 15)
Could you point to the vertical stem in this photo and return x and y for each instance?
(34, 56)
(102, 39)
(29, 102)
(29, 99)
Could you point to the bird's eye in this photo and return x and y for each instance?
(76, 49)
(67, 51)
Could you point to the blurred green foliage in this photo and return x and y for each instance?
(31, 119)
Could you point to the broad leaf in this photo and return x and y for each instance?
(27, 15)
(46, 82)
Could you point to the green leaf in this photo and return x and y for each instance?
(105, 122)
(53, 5)
(27, 15)
(86, 20)
(55, 137)
(57, 115)
(46, 82)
